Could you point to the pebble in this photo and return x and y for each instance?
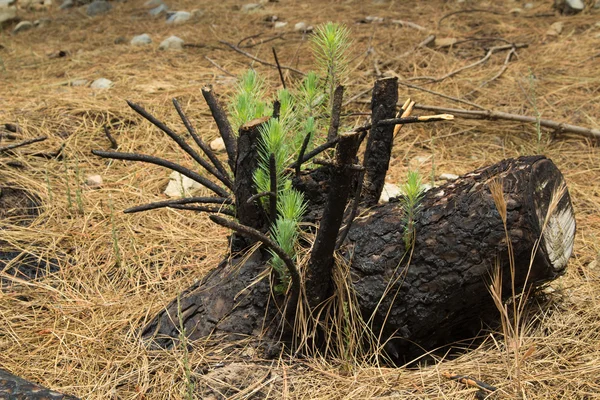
(180, 186)
(280, 24)
(371, 19)
(300, 27)
(141, 40)
(389, 190)
(171, 43)
(555, 29)
(98, 7)
(93, 181)
(159, 10)
(22, 26)
(217, 145)
(528, 6)
(569, 7)
(8, 13)
(246, 8)
(101, 83)
(179, 17)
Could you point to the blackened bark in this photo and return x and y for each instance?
(441, 296)
(318, 271)
(223, 124)
(380, 140)
(250, 214)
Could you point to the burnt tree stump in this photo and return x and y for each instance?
(442, 295)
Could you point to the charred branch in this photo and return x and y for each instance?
(205, 148)
(381, 138)
(336, 112)
(170, 203)
(219, 191)
(220, 117)
(180, 142)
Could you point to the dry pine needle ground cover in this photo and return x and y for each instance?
(76, 330)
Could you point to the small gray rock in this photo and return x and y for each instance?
(300, 27)
(23, 26)
(8, 14)
(528, 6)
(98, 7)
(246, 8)
(101, 83)
(159, 10)
(93, 181)
(141, 40)
(171, 43)
(179, 17)
(42, 22)
(569, 7)
(280, 24)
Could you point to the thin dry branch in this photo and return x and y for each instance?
(113, 142)
(487, 56)
(205, 148)
(220, 117)
(170, 203)
(21, 144)
(467, 11)
(213, 210)
(163, 163)
(181, 143)
(499, 74)
(495, 115)
(245, 53)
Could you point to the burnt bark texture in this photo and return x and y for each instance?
(442, 293)
(13, 387)
(248, 213)
(380, 139)
(433, 295)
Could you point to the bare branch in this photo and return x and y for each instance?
(223, 124)
(163, 163)
(170, 203)
(336, 111)
(113, 143)
(234, 47)
(21, 144)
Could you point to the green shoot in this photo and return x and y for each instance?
(247, 104)
(412, 192)
(330, 45)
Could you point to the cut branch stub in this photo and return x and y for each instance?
(318, 272)
(250, 214)
(380, 140)
(222, 122)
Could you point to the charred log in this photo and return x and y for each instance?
(435, 293)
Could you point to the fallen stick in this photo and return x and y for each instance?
(21, 144)
(494, 115)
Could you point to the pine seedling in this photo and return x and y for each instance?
(310, 95)
(412, 193)
(330, 44)
(247, 103)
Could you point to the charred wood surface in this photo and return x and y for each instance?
(381, 138)
(442, 293)
(440, 296)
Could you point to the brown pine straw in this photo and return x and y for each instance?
(76, 331)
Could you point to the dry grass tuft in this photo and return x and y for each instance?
(76, 330)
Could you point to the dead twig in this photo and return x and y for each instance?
(245, 53)
(113, 143)
(170, 203)
(213, 210)
(163, 163)
(220, 117)
(465, 380)
(495, 115)
(487, 56)
(219, 67)
(467, 11)
(21, 144)
(498, 75)
(278, 67)
(302, 151)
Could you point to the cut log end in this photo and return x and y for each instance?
(554, 214)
